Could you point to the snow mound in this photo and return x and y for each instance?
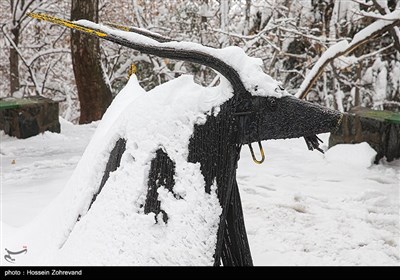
(355, 155)
(115, 229)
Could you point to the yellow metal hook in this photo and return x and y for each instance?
(261, 151)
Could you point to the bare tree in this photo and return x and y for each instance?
(18, 12)
(93, 91)
(395, 31)
(343, 47)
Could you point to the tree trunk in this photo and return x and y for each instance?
(14, 62)
(203, 12)
(224, 10)
(247, 18)
(357, 96)
(14, 58)
(94, 94)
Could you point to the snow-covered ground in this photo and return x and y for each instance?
(35, 170)
(300, 207)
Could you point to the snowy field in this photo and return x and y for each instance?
(300, 207)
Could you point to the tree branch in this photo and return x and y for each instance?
(365, 56)
(14, 6)
(46, 52)
(50, 67)
(395, 32)
(26, 7)
(379, 27)
(362, 4)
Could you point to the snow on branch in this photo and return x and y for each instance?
(355, 60)
(379, 27)
(373, 15)
(321, 39)
(19, 9)
(395, 31)
(46, 52)
(362, 3)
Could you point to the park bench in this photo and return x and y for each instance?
(26, 117)
(379, 128)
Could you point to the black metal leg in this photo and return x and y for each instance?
(235, 248)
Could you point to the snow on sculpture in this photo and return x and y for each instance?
(157, 183)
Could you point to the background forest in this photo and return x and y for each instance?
(289, 36)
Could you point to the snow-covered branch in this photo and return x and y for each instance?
(395, 31)
(46, 52)
(379, 27)
(322, 40)
(362, 3)
(373, 15)
(354, 60)
(246, 37)
(20, 8)
(137, 12)
(49, 67)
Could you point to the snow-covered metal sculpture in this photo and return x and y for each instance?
(159, 175)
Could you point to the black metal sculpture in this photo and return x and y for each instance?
(243, 119)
